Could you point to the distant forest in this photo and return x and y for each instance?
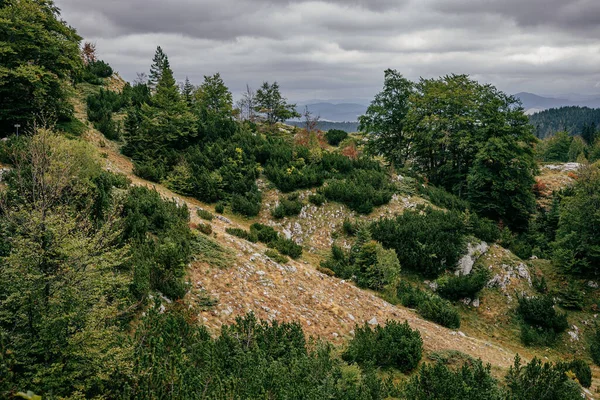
(575, 120)
(327, 125)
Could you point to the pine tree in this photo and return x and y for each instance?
(159, 63)
(188, 92)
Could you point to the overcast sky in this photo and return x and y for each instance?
(338, 49)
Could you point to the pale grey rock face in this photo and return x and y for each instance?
(474, 251)
(373, 321)
(566, 167)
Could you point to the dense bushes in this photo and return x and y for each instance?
(270, 237)
(288, 207)
(429, 306)
(175, 358)
(100, 108)
(393, 345)
(94, 71)
(469, 382)
(456, 287)
(160, 237)
(595, 346)
(581, 369)
(427, 243)
(538, 380)
(335, 136)
(361, 190)
(541, 322)
(368, 263)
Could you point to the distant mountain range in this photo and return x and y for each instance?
(349, 111)
(534, 103)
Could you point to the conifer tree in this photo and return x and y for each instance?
(159, 63)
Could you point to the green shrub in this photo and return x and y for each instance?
(99, 69)
(472, 381)
(288, 207)
(456, 287)
(571, 298)
(536, 381)
(595, 347)
(361, 191)
(207, 215)
(220, 208)
(264, 234)
(582, 371)
(335, 136)
(427, 243)
(241, 234)
(205, 228)
(393, 345)
(288, 247)
(429, 306)
(248, 205)
(442, 198)
(542, 323)
(317, 199)
(375, 267)
(275, 256)
(349, 227)
(440, 311)
(339, 263)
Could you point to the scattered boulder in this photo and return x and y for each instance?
(474, 251)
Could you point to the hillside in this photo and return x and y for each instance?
(328, 307)
(574, 120)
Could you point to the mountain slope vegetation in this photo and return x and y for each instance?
(158, 242)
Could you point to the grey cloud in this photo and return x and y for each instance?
(339, 48)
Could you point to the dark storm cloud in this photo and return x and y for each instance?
(569, 15)
(339, 48)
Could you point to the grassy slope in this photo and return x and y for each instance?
(328, 307)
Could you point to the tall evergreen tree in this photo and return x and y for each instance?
(214, 107)
(159, 63)
(188, 91)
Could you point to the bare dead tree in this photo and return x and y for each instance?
(247, 105)
(89, 53)
(310, 120)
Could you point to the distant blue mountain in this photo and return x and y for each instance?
(340, 112)
(533, 102)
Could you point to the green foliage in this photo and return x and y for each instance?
(205, 228)
(317, 199)
(574, 120)
(288, 247)
(220, 208)
(427, 243)
(536, 381)
(394, 345)
(361, 191)
(161, 242)
(264, 233)
(443, 198)
(542, 323)
(339, 263)
(287, 207)
(385, 119)
(429, 306)
(94, 71)
(100, 108)
(577, 245)
(440, 311)
(39, 60)
(472, 381)
(175, 358)
(467, 138)
(555, 148)
(204, 214)
(211, 252)
(456, 287)
(248, 205)
(571, 297)
(241, 233)
(582, 371)
(272, 105)
(275, 256)
(375, 267)
(335, 136)
(595, 346)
